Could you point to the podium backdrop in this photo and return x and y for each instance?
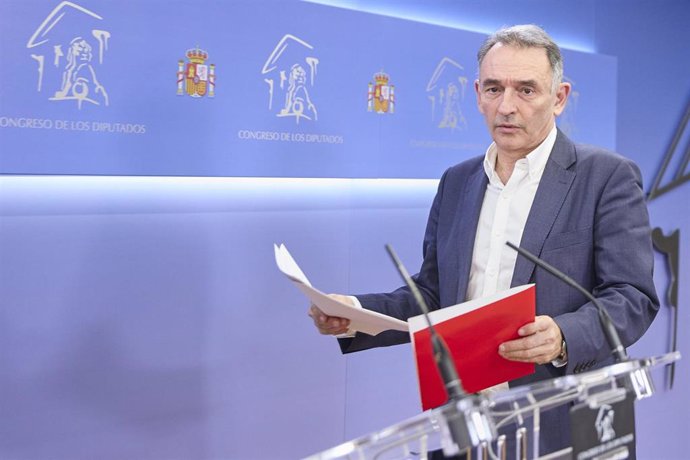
(251, 88)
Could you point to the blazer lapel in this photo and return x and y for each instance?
(467, 221)
(553, 187)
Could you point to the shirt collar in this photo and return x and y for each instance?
(536, 159)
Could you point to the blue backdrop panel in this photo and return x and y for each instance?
(283, 89)
(144, 317)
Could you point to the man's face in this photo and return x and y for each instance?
(514, 93)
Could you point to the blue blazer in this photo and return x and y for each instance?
(588, 218)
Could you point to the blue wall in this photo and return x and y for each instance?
(143, 317)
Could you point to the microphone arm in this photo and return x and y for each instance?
(610, 331)
(442, 357)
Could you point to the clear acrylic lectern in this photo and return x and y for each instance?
(471, 424)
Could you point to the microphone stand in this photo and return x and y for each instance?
(640, 380)
(442, 356)
(465, 416)
(614, 340)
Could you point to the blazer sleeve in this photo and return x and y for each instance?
(400, 303)
(623, 272)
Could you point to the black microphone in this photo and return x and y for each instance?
(610, 331)
(461, 432)
(442, 357)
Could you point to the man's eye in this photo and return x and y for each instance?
(492, 90)
(527, 91)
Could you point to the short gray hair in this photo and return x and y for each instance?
(527, 36)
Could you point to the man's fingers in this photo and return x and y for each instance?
(540, 324)
(316, 313)
(539, 355)
(540, 342)
(328, 325)
(334, 325)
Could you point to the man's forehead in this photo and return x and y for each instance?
(508, 49)
(515, 63)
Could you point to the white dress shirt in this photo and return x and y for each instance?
(503, 217)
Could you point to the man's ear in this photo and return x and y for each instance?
(562, 94)
(476, 91)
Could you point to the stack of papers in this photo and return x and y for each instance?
(361, 320)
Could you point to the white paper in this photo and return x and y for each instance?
(361, 320)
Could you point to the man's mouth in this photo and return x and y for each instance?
(507, 127)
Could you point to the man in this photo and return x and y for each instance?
(580, 208)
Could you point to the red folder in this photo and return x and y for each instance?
(473, 331)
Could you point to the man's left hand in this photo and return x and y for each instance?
(540, 342)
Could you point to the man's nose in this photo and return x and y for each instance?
(508, 102)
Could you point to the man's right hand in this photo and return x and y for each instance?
(330, 325)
